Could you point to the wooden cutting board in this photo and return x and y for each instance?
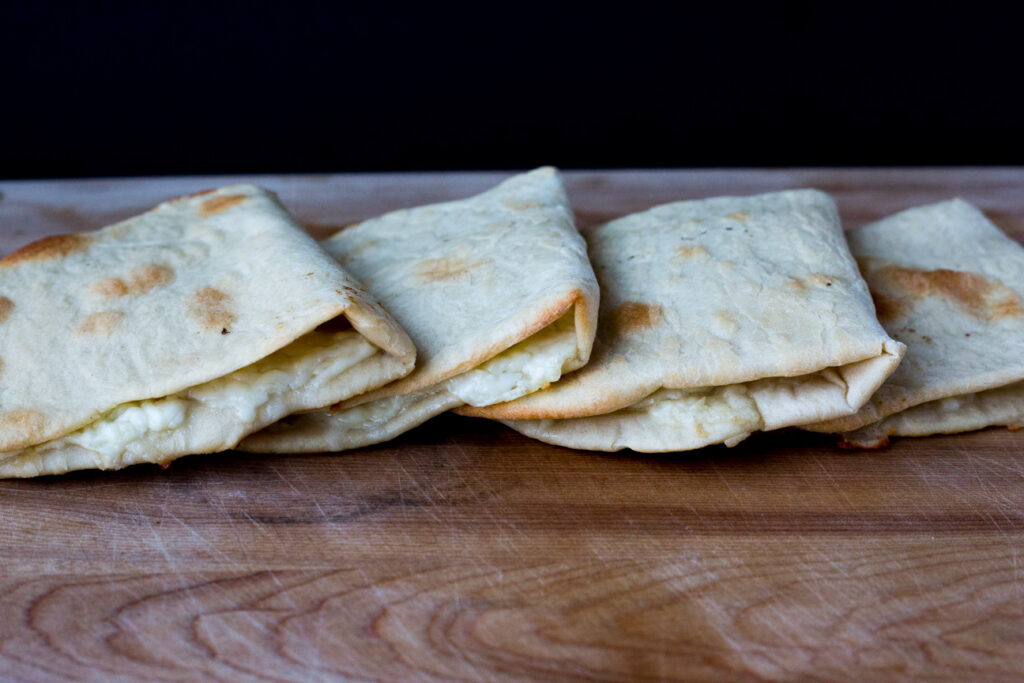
(465, 551)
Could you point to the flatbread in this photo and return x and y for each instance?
(495, 290)
(178, 331)
(718, 317)
(949, 284)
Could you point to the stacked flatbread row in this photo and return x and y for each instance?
(193, 326)
(213, 321)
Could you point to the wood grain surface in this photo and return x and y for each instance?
(464, 551)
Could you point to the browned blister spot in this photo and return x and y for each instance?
(140, 281)
(691, 251)
(55, 246)
(6, 306)
(211, 308)
(110, 288)
(100, 324)
(739, 216)
(632, 316)
(971, 292)
(216, 205)
(450, 268)
(701, 432)
(1004, 306)
(17, 426)
(148, 278)
(887, 308)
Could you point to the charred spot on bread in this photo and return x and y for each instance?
(216, 205)
(632, 316)
(100, 324)
(444, 269)
(6, 306)
(211, 308)
(55, 246)
(141, 280)
(973, 293)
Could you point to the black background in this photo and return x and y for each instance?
(111, 89)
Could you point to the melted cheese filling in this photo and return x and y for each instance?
(130, 422)
(314, 357)
(521, 369)
(726, 414)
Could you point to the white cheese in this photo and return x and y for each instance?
(688, 406)
(726, 413)
(522, 369)
(129, 422)
(312, 359)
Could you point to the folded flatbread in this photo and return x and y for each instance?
(495, 290)
(178, 331)
(718, 317)
(949, 284)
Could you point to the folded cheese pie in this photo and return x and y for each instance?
(718, 317)
(178, 331)
(949, 284)
(496, 292)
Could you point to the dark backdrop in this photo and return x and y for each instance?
(151, 88)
